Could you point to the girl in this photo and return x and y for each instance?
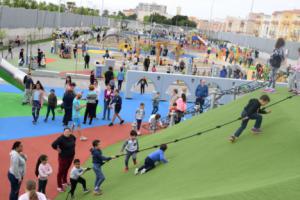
(68, 82)
(37, 101)
(181, 107)
(31, 193)
(42, 170)
(108, 95)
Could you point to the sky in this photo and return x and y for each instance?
(198, 8)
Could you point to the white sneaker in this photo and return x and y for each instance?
(143, 171)
(139, 133)
(82, 138)
(136, 171)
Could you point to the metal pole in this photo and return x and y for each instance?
(211, 15)
(59, 2)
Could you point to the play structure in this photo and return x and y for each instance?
(162, 81)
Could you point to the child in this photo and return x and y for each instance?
(252, 111)
(98, 161)
(143, 82)
(156, 156)
(75, 177)
(132, 147)
(155, 123)
(37, 101)
(42, 170)
(76, 115)
(139, 116)
(155, 103)
(117, 101)
(52, 103)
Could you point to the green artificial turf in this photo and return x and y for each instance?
(208, 167)
(11, 106)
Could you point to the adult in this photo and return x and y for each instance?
(227, 54)
(120, 78)
(68, 98)
(92, 78)
(68, 82)
(28, 82)
(31, 193)
(146, 63)
(75, 49)
(87, 59)
(223, 72)
(201, 93)
(37, 101)
(21, 57)
(65, 146)
(106, 55)
(109, 75)
(108, 95)
(16, 170)
(181, 107)
(142, 82)
(39, 57)
(174, 96)
(91, 105)
(276, 60)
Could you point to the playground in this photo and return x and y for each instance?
(202, 166)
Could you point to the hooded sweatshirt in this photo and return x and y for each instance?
(17, 164)
(97, 156)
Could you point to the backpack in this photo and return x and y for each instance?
(275, 59)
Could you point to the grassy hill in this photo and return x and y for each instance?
(208, 167)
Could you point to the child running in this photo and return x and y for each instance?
(43, 170)
(76, 177)
(76, 116)
(117, 102)
(156, 156)
(132, 147)
(98, 160)
(139, 116)
(252, 111)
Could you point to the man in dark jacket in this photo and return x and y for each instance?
(87, 60)
(201, 93)
(109, 75)
(98, 160)
(52, 103)
(252, 111)
(146, 63)
(68, 105)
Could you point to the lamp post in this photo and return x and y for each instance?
(211, 15)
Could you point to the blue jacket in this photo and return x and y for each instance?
(158, 156)
(223, 73)
(201, 91)
(97, 156)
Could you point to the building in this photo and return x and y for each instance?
(253, 23)
(235, 24)
(129, 12)
(285, 24)
(265, 26)
(178, 10)
(146, 9)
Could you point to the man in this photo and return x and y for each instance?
(86, 60)
(28, 82)
(146, 63)
(68, 105)
(39, 57)
(201, 93)
(109, 75)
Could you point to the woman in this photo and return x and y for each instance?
(181, 107)
(37, 101)
(16, 170)
(91, 105)
(31, 193)
(108, 95)
(65, 146)
(68, 82)
(276, 60)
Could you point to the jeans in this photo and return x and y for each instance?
(138, 123)
(120, 82)
(64, 165)
(99, 176)
(86, 65)
(50, 108)
(127, 157)
(244, 124)
(42, 186)
(27, 96)
(36, 106)
(148, 165)
(154, 110)
(14, 187)
(142, 89)
(74, 184)
(272, 77)
(106, 109)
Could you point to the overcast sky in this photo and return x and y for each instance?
(198, 8)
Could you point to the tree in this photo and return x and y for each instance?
(105, 13)
(157, 18)
(132, 17)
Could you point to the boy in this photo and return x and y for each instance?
(75, 177)
(139, 116)
(117, 100)
(76, 115)
(143, 82)
(252, 111)
(155, 103)
(98, 160)
(155, 123)
(52, 103)
(132, 147)
(156, 156)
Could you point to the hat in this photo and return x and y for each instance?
(52, 90)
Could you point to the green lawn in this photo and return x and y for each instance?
(11, 106)
(208, 167)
